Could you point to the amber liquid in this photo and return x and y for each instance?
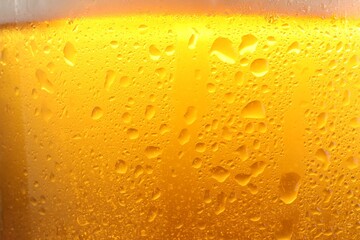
(180, 127)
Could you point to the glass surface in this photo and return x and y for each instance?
(179, 120)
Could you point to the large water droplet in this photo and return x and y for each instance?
(223, 49)
(259, 67)
(154, 53)
(355, 122)
(121, 167)
(322, 119)
(152, 152)
(352, 163)
(253, 110)
(289, 187)
(132, 133)
(248, 44)
(242, 179)
(69, 53)
(324, 157)
(45, 84)
(109, 79)
(190, 115)
(184, 136)
(294, 48)
(220, 174)
(193, 41)
(243, 153)
(257, 168)
(354, 61)
(97, 113)
(150, 112)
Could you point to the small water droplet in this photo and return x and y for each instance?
(200, 147)
(143, 28)
(152, 214)
(259, 67)
(355, 122)
(229, 97)
(193, 41)
(354, 61)
(257, 168)
(184, 136)
(132, 133)
(170, 50)
(121, 167)
(46, 113)
(124, 81)
(211, 87)
(254, 110)
(69, 53)
(220, 174)
(248, 44)
(352, 163)
(156, 194)
(223, 49)
(154, 53)
(114, 44)
(197, 163)
(150, 112)
(190, 115)
(97, 113)
(126, 117)
(243, 153)
(109, 79)
(289, 187)
(45, 84)
(239, 78)
(324, 157)
(164, 128)
(242, 179)
(322, 119)
(152, 152)
(294, 48)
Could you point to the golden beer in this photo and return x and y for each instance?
(180, 126)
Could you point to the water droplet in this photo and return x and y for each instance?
(221, 199)
(354, 61)
(200, 147)
(184, 136)
(124, 81)
(126, 117)
(109, 79)
(286, 231)
(324, 157)
(352, 163)
(46, 113)
(322, 119)
(242, 179)
(243, 153)
(152, 152)
(289, 187)
(154, 53)
(143, 28)
(223, 49)
(197, 163)
(45, 84)
(257, 168)
(248, 44)
(239, 78)
(259, 67)
(121, 167)
(152, 214)
(355, 122)
(170, 50)
(207, 198)
(253, 110)
(69, 53)
(132, 133)
(156, 194)
(150, 112)
(346, 98)
(294, 48)
(193, 41)
(164, 128)
(114, 44)
(97, 113)
(220, 174)
(211, 87)
(190, 115)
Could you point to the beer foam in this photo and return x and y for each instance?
(38, 10)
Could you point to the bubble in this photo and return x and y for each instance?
(352, 163)
(289, 187)
(190, 115)
(259, 67)
(109, 79)
(69, 53)
(45, 83)
(200, 147)
(294, 48)
(97, 113)
(121, 167)
(242, 179)
(132, 133)
(322, 119)
(254, 110)
(197, 163)
(150, 112)
(184, 136)
(248, 44)
(220, 174)
(154, 53)
(223, 49)
(243, 153)
(152, 152)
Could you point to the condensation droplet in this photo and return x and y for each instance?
(294, 48)
(132, 133)
(124, 81)
(197, 163)
(152, 214)
(200, 147)
(352, 163)
(220, 174)
(257, 168)
(184, 136)
(243, 153)
(248, 44)
(109, 79)
(46, 113)
(139, 170)
(354, 61)
(254, 110)
(242, 179)
(121, 167)
(69, 53)
(259, 67)
(239, 78)
(193, 41)
(170, 50)
(355, 122)
(45, 84)
(97, 113)
(324, 157)
(190, 115)
(150, 112)
(152, 152)
(322, 119)
(154, 53)
(114, 44)
(223, 49)
(289, 187)
(126, 117)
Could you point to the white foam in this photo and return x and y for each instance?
(36, 10)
